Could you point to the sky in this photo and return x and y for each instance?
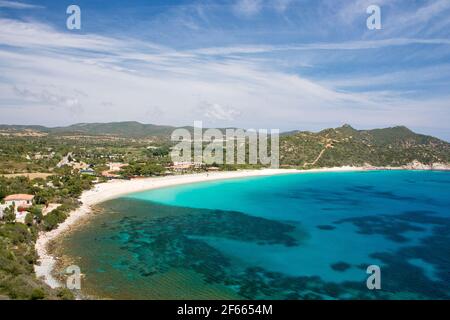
(274, 64)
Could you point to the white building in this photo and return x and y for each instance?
(21, 203)
(19, 200)
(2, 210)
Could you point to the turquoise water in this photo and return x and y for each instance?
(297, 236)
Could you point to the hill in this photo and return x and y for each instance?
(129, 129)
(341, 146)
(347, 146)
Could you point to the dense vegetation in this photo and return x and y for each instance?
(17, 257)
(346, 146)
(127, 141)
(17, 253)
(129, 129)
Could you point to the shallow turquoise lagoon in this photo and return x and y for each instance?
(296, 236)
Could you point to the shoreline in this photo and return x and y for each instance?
(116, 188)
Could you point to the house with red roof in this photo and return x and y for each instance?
(19, 200)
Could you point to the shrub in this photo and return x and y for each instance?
(65, 294)
(9, 215)
(29, 219)
(37, 294)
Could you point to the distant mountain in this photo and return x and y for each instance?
(18, 128)
(327, 148)
(129, 129)
(347, 146)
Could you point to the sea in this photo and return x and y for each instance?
(323, 235)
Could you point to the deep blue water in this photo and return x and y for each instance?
(297, 236)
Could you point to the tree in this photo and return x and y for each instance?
(50, 222)
(54, 218)
(37, 294)
(65, 294)
(3, 192)
(42, 197)
(29, 219)
(36, 213)
(9, 215)
(159, 152)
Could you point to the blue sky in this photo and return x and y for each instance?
(287, 64)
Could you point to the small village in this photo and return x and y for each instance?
(26, 208)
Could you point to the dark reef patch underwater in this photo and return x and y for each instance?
(305, 236)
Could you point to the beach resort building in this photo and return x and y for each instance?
(183, 166)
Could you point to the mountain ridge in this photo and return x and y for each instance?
(341, 146)
(137, 129)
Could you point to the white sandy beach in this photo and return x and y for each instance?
(116, 188)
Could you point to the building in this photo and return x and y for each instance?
(2, 210)
(88, 171)
(19, 200)
(187, 165)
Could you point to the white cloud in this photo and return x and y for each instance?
(425, 74)
(36, 35)
(47, 97)
(248, 8)
(281, 5)
(356, 9)
(349, 45)
(64, 78)
(404, 18)
(412, 22)
(425, 13)
(215, 111)
(18, 5)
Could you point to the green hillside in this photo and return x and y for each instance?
(129, 129)
(330, 147)
(348, 146)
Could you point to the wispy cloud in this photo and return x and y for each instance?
(18, 5)
(48, 97)
(39, 35)
(61, 77)
(406, 78)
(282, 5)
(349, 45)
(248, 8)
(215, 111)
(414, 20)
(176, 80)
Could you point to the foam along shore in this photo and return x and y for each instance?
(116, 188)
